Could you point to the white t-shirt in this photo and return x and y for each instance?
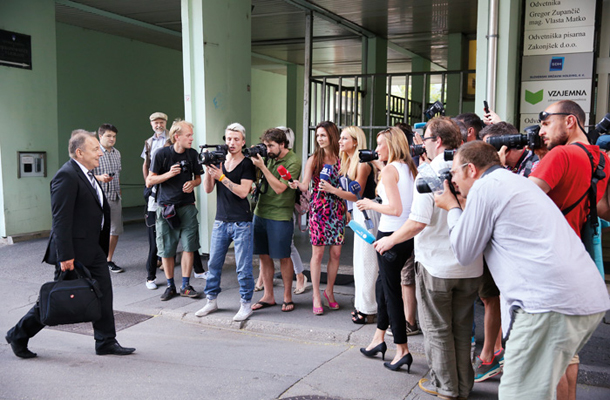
(432, 245)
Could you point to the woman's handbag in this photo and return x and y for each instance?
(71, 301)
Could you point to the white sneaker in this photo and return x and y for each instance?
(210, 307)
(152, 285)
(245, 310)
(203, 275)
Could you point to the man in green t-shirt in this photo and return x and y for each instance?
(273, 226)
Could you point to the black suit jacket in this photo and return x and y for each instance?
(76, 231)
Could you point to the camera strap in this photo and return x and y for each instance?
(597, 173)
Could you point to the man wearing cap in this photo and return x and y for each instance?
(565, 175)
(158, 121)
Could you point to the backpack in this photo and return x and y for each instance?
(590, 233)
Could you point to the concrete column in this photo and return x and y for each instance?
(456, 61)
(420, 86)
(507, 75)
(28, 111)
(295, 103)
(216, 60)
(376, 89)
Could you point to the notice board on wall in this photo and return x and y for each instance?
(15, 50)
(557, 64)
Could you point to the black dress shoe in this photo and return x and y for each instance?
(20, 350)
(115, 349)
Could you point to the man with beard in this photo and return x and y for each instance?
(273, 226)
(565, 175)
(233, 223)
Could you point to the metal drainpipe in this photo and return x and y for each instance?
(492, 53)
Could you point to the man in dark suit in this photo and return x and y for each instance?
(80, 231)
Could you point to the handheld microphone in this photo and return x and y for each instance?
(361, 231)
(326, 171)
(355, 188)
(284, 173)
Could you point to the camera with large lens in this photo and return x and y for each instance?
(436, 108)
(213, 157)
(417, 150)
(259, 149)
(429, 181)
(530, 138)
(368, 155)
(604, 125)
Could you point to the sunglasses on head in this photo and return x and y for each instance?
(544, 115)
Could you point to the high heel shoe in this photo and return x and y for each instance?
(407, 359)
(318, 310)
(328, 303)
(380, 348)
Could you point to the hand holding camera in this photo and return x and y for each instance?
(446, 199)
(215, 171)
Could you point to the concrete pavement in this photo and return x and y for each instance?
(273, 355)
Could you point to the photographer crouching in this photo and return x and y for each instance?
(550, 285)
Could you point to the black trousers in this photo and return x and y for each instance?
(388, 291)
(151, 262)
(104, 330)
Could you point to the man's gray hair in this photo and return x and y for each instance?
(237, 127)
(77, 140)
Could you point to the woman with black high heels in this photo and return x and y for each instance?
(396, 191)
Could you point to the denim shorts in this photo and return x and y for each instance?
(167, 238)
(272, 238)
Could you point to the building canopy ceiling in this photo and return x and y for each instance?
(412, 27)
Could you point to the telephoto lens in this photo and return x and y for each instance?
(368, 155)
(259, 149)
(417, 150)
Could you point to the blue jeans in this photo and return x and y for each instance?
(222, 236)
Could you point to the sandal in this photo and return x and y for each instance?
(287, 306)
(363, 319)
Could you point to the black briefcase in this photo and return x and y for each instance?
(71, 301)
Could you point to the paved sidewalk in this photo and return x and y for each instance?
(274, 354)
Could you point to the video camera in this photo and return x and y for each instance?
(530, 138)
(259, 149)
(214, 157)
(428, 181)
(368, 155)
(436, 108)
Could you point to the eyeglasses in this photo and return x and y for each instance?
(429, 137)
(544, 115)
(453, 171)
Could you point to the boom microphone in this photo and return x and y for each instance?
(355, 188)
(284, 173)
